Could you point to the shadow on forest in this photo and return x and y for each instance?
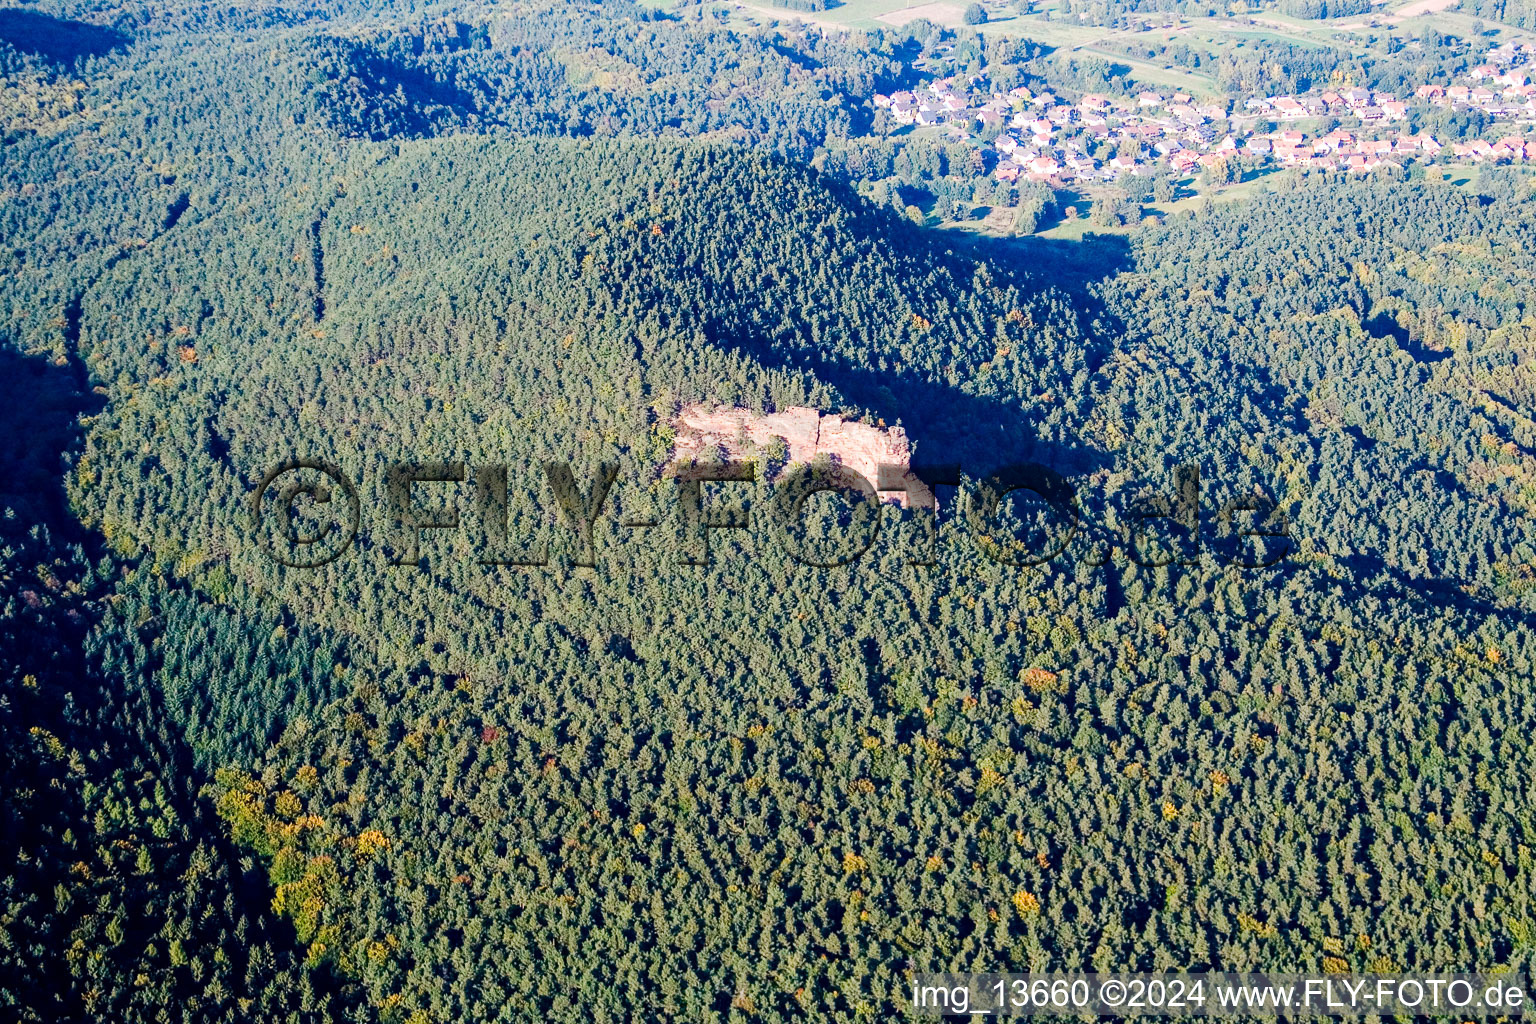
(949, 425)
(79, 698)
(56, 39)
(1059, 262)
(38, 420)
(1384, 325)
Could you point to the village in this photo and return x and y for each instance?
(1038, 136)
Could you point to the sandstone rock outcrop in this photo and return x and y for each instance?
(799, 435)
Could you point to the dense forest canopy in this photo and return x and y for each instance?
(370, 234)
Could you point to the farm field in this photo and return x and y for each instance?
(1048, 25)
(1074, 228)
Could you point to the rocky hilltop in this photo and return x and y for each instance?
(797, 436)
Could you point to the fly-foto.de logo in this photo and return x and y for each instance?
(307, 513)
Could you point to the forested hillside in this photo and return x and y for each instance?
(531, 772)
